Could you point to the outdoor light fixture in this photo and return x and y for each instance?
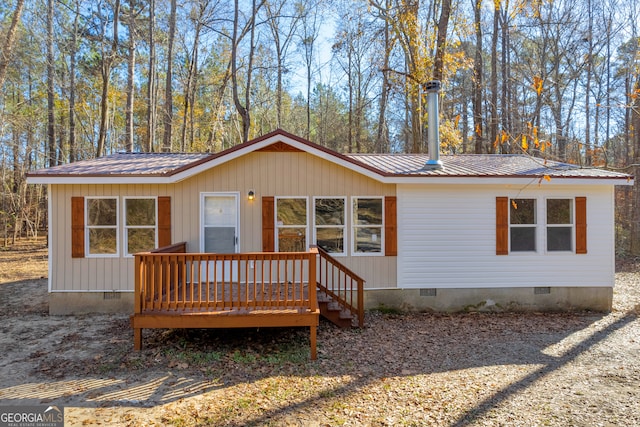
(251, 195)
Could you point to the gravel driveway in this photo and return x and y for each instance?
(418, 369)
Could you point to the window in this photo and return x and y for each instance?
(291, 224)
(522, 220)
(367, 225)
(140, 224)
(559, 225)
(102, 226)
(329, 221)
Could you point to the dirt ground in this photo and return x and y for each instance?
(580, 369)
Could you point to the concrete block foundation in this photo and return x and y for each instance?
(65, 303)
(547, 299)
(556, 299)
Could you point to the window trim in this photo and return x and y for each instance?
(277, 227)
(354, 227)
(572, 240)
(344, 224)
(536, 225)
(125, 227)
(88, 227)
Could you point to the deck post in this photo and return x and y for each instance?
(137, 304)
(137, 339)
(313, 295)
(312, 339)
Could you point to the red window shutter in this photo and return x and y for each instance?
(164, 221)
(390, 226)
(77, 227)
(581, 225)
(268, 221)
(502, 225)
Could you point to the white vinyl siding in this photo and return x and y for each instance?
(447, 239)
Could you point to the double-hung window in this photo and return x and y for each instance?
(329, 224)
(291, 224)
(523, 225)
(367, 216)
(140, 224)
(559, 225)
(102, 226)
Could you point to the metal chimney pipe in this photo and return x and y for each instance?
(433, 131)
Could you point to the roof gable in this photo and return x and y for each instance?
(165, 168)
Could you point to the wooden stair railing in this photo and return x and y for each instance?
(341, 295)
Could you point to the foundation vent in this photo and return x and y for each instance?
(541, 290)
(431, 292)
(111, 295)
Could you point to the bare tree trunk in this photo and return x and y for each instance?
(504, 73)
(72, 84)
(587, 101)
(131, 68)
(168, 89)
(493, 121)
(151, 84)
(51, 119)
(382, 137)
(310, 34)
(477, 79)
(7, 47)
(191, 76)
(243, 110)
(635, 221)
(107, 62)
(441, 39)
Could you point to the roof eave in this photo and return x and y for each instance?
(507, 180)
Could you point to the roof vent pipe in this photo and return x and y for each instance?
(433, 131)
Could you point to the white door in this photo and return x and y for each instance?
(219, 231)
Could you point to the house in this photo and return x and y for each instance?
(233, 233)
(490, 232)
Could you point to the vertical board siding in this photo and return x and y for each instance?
(267, 173)
(447, 239)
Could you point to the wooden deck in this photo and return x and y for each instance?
(175, 289)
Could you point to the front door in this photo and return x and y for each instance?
(219, 229)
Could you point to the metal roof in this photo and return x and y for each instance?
(171, 167)
(480, 165)
(127, 164)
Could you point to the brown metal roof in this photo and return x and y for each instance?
(385, 165)
(479, 165)
(128, 164)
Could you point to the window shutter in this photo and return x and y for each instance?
(268, 220)
(77, 227)
(581, 225)
(164, 221)
(390, 226)
(502, 225)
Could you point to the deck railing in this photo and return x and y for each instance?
(170, 279)
(341, 284)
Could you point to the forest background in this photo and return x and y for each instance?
(557, 79)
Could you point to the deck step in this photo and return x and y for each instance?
(334, 312)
